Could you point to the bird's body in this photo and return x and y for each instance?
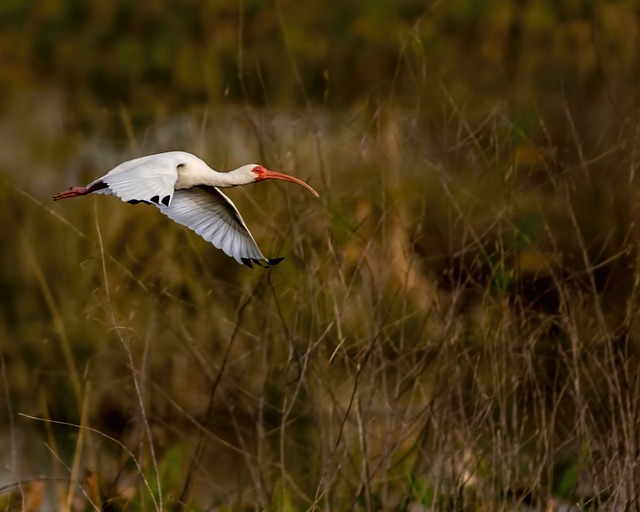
(186, 190)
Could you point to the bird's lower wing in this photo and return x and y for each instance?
(213, 216)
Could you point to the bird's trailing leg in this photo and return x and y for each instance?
(79, 191)
(72, 192)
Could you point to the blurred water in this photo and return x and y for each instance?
(27, 468)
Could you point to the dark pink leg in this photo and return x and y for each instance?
(80, 191)
(72, 192)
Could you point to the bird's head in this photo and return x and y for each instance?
(254, 173)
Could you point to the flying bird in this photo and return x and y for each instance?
(187, 190)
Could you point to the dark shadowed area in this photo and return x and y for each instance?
(455, 323)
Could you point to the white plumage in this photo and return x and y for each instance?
(143, 178)
(215, 218)
(185, 189)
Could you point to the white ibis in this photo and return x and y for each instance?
(186, 190)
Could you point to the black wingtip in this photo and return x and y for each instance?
(249, 262)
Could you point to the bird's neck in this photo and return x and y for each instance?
(190, 177)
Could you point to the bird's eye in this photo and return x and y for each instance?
(257, 169)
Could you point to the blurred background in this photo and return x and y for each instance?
(455, 324)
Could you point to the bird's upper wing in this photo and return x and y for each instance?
(212, 215)
(149, 179)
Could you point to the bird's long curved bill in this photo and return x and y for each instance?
(272, 175)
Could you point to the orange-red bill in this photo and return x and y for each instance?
(285, 177)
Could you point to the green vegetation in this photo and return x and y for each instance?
(455, 325)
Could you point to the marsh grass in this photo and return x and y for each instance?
(474, 350)
(454, 326)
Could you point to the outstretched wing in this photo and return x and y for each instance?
(149, 179)
(213, 216)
